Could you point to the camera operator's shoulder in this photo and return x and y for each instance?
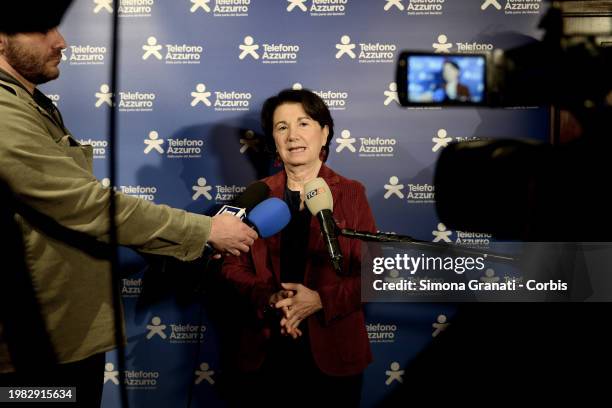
(9, 93)
(4, 87)
(18, 115)
(12, 96)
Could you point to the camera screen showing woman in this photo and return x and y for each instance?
(437, 79)
(451, 89)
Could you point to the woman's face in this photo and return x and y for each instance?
(297, 136)
(450, 73)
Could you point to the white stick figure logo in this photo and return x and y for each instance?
(440, 325)
(201, 189)
(248, 48)
(442, 234)
(442, 140)
(103, 4)
(110, 374)
(64, 58)
(156, 328)
(153, 143)
(200, 95)
(296, 3)
(249, 141)
(489, 276)
(297, 86)
(442, 46)
(395, 374)
(391, 94)
(345, 47)
(396, 3)
(394, 188)
(204, 373)
(104, 96)
(485, 5)
(345, 141)
(152, 48)
(203, 4)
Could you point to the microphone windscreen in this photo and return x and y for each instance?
(318, 196)
(254, 194)
(270, 216)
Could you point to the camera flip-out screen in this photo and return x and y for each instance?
(442, 79)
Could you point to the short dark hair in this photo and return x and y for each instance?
(453, 63)
(313, 105)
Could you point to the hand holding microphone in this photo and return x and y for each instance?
(229, 234)
(266, 217)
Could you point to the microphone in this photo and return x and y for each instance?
(254, 194)
(269, 217)
(320, 203)
(230, 209)
(250, 198)
(435, 246)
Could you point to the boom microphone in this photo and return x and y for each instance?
(320, 203)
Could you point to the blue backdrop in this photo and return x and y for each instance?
(193, 76)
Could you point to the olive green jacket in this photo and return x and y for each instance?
(51, 173)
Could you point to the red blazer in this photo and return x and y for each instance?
(337, 334)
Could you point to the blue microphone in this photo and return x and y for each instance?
(269, 217)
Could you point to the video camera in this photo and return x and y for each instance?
(517, 189)
(568, 70)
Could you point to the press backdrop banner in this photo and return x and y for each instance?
(193, 76)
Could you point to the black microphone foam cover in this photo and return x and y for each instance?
(254, 194)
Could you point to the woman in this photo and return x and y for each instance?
(307, 338)
(451, 89)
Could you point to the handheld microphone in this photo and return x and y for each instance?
(254, 194)
(320, 203)
(266, 216)
(269, 217)
(230, 209)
